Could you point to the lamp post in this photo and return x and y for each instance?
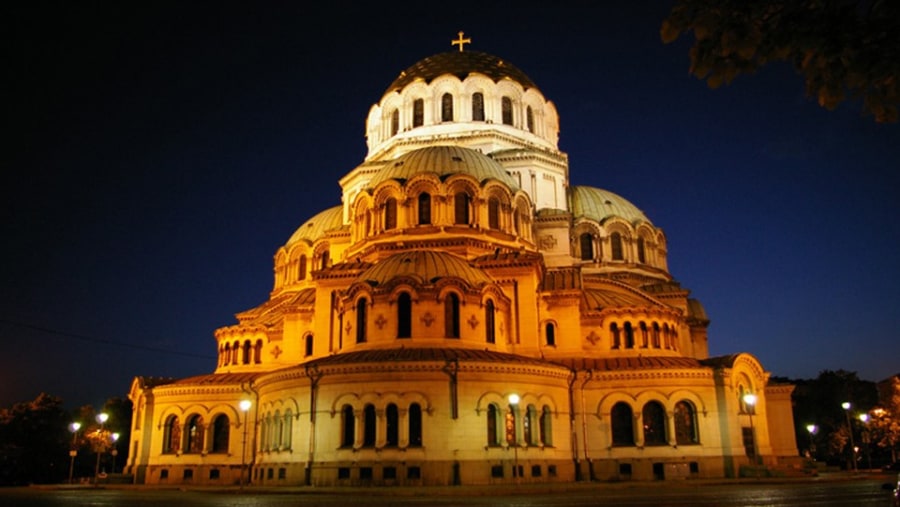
(812, 429)
(865, 438)
(245, 408)
(846, 406)
(750, 400)
(102, 417)
(513, 403)
(115, 450)
(74, 427)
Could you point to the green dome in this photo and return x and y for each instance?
(444, 161)
(460, 64)
(426, 267)
(317, 226)
(598, 204)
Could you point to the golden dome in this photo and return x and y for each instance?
(425, 266)
(444, 161)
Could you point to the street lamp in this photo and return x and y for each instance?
(245, 408)
(865, 438)
(750, 400)
(846, 406)
(115, 450)
(812, 429)
(513, 403)
(74, 427)
(102, 417)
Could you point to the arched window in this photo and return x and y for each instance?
(395, 122)
(511, 415)
(172, 435)
(392, 418)
(616, 337)
(645, 338)
(493, 416)
(424, 208)
(221, 429)
(245, 357)
(550, 334)
(494, 213)
(418, 113)
(654, 419)
(586, 244)
(236, 353)
(640, 247)
(404, 315)
(461, 202)
(301, 271)
(546, 426)
(489, 322)
(361, 320)
(685, 423)
(415, 425)
(308, 345)
(193, 438)
(507, 111)
(369, 426)
(447, 107)
(348, 422)
(257, 352)
(655, 338)
(616, 240)
(477, 106)
(227, 353)
(622, 422)
(451, 315)
(323, 261)
(629, 336)
(390, 214)
(287, 429)
(528, 422)
(529, 117)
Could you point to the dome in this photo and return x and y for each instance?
(460, 64)
(317, 226)
(444, 161)
(598, 204)
(426, 266)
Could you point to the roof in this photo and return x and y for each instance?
(460, 64)
(412, 354)
(600, 299)
(317, 226)
(216, 379)
(444, 161)
(425, 266)
(631, 363)
(598, 205)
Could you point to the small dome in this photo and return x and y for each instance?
(444, 161)
(426, 266)
(317, 226)
(598, 204)
(460, 64)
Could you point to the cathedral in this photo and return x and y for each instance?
(465, 315)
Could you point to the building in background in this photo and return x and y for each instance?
(465, 315)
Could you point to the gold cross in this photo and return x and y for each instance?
(461, 42)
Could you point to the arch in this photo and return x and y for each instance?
(529, 119)
(586, 246)
(245, 355)
(395, 122)
(404, 315)
(415, 425)
(308, 345)
(685, 415)
(368, 425)
(550, 334)
(348, 426)
(392, 425)
(493, 213)
(629, 335)
(221, 429)
(257, 352)
(616, 246)
(390, 213)
(193, 434)
(616, 340)
(529, 425)
(506, 109)
(462, 204)
(546, 426)
(301, 269)
(640, 250)
(621, 418)
(361, 320)
(446, 107)
(653, 417)
(418, 110)
(424, 208)
(493, 425)
(171, 435)
(477, 106)
(451, 315)
(489, 324)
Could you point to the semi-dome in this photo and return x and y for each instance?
(461, 64)
(598, 204)
(426, 266)
(318, 225)
(444, 161)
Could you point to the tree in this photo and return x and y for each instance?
(844, 49)
(34, 442)
(884, 420)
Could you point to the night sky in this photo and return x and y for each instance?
(157, 154)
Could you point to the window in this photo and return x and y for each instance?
(622, 422)
(395, 122)
(461, 208)
(308, 345)
(477, 106)
(654, 419)
(685, 423)
(510, 425)
(529, 117)
(586, 244)
(404, 315)
(188, 474)
(546, 426)
(392, 416)
(616, 240)
(424, 208)
(494, 213)
(365, 473)
(493, 414)
(415, 425)
(645, 338)
(301, 271)
(655, 335)
(164, 473)
(221, 429)
(369, 426)
(390, 214)
(616, 337)
(361, 320)
(282, 473)
(214, 473)
(489, 322)
(451, 315)
(348, 435)
(640, 247)
(172, 435)
(235, 353)
(447, 107)
(323, 261)
(257, 352)
(529, 422)
(550, 334)
(418, 113)
(343, 472)
(414, 473)
(245, 357)
(497, 471)
(389, 473)
(629, 336)
(506, 107)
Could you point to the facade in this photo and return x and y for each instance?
(465, 315)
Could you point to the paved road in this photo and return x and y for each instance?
(859, 492)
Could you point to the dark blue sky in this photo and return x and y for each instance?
(161, 153)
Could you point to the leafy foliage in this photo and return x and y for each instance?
(842, 48)
(34, 441)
